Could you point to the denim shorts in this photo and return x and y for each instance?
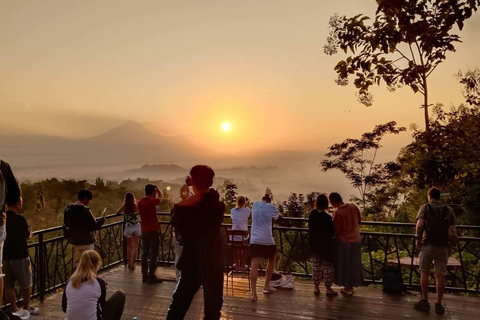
(132, 231)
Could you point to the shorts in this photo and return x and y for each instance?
(132, 231)
(430, 253)
(262, 251)
(18, 270)
(3, 236)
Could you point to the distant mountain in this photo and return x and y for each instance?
(128, 143)
(157, 171)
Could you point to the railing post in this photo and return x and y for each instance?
(125, 254)
(41, 267)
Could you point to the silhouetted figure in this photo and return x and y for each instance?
(240, 215)
(16, 260)
(9, 190)
(177, 242)
(435, 222)
(348, 262)
(198, 221)
(321, 235)
(262, 243)
(147, 208)
(81, 224)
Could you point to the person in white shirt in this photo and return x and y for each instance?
(262, 243)
(84, 297)
(240, 215)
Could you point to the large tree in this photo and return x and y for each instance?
(403, 45)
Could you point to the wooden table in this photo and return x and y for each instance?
(453, 266)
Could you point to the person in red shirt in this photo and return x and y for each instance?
(348, 262)
(150, 226)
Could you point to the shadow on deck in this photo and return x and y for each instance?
(148, 302)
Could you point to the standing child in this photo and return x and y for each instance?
(322, 245)
(16, 261)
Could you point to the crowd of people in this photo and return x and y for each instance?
(197, 219)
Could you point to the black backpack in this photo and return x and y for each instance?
(437, 225)
(392, 280)
(7, 315)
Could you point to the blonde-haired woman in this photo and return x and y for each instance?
(240, 215)
(84, 297)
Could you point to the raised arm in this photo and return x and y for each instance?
(121, 210)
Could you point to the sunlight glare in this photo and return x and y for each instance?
(226, 126)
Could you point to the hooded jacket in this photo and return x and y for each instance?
(81, 224)
(198, 221)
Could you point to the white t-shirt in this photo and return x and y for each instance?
(262, 215)
(82, 303)
(240, 220)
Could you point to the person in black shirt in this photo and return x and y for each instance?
(81, 224)
(322, 245)
(197, 221)
(16, 261)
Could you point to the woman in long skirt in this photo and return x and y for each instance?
(348, 262)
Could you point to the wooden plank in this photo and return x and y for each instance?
(151, 301)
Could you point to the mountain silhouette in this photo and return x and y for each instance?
(128, 143)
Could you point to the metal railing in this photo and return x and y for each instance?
(383, 244)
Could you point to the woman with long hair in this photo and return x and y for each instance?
(84, 297)
(322, 245)
(132, 227)
(177, 242)
(240, 215)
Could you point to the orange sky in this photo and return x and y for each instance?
(80, 68)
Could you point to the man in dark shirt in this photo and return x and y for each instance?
(81, 224)
(150, 226)
(198, 221)
(16, 260)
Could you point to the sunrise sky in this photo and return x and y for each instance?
(79, 68)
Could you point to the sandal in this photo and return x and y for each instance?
(269, 290)
(332, 293)
(345, 292)
(253, 298)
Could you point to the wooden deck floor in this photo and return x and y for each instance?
(151, 302)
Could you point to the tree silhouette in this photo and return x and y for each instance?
(406, 42)
(356, 158)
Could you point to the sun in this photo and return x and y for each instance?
(226, 126)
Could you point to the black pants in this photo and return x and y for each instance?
(113, 308)
(150, 243)
(190, 282)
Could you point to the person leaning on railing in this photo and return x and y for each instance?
(348, 264)
(80, 223)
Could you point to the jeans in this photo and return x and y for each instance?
(150, 242)
(190, 281)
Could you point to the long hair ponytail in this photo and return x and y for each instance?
(87, 269)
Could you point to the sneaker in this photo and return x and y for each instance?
(439, 309)
(34, 311)
(422, 305)
(154, 279)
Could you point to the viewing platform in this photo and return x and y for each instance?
(149, 302)
(383, 244)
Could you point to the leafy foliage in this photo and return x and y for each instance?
(228, 191)
(355, 158)
(403, 45)
(470, 80)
